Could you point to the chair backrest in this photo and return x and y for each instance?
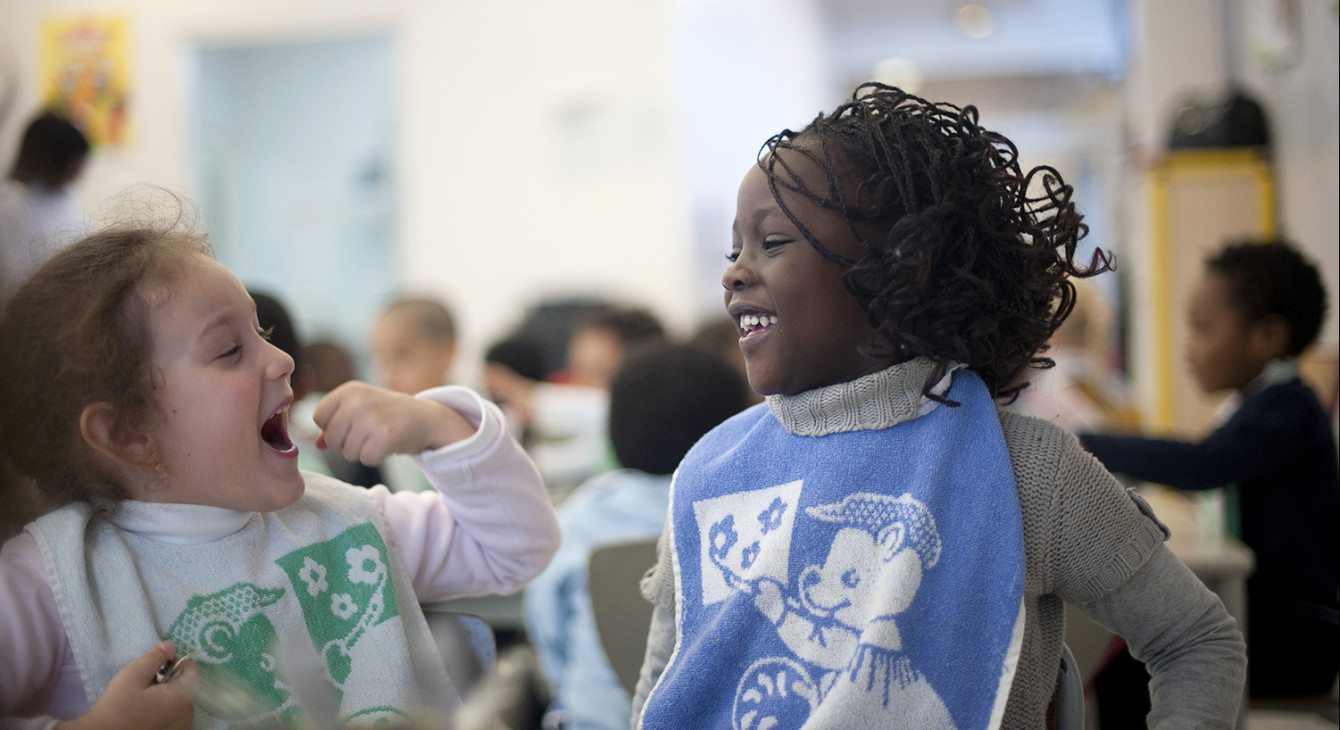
(1069, 693)
(467, 645)
(622, 615)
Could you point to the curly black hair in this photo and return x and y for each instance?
(1271, 278)
(966, 258)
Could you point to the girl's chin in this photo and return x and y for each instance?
(294, 489)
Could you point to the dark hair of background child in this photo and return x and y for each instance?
(965, 257)
(521, 354)
(664, 398)
(1271, 278)
(274, 318)
(430, 317)
(50, 153)
(630, 326)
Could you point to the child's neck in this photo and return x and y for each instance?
(1275, 371)
(177, 523)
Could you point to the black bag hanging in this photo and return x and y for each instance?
(1235, 121)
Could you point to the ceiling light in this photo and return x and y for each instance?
(975, 20)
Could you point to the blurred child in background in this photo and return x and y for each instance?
(566, 415)
(1257, 307)
(509, 363)
(38, 212)
(663, 398)
(413, 344)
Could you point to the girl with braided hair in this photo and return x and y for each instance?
(894, 274)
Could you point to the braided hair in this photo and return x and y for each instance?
(959, 261)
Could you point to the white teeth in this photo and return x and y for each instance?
(752, 321)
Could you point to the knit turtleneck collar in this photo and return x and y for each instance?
(179, 524)
(871, 402)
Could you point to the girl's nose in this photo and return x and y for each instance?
(279, 365)
(736, 276)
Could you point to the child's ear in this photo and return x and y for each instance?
(97, 424)
(1270, 337)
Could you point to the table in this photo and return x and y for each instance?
(503, 613)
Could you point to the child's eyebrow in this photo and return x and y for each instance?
(222, 320)
(761, 214)
(218, 322)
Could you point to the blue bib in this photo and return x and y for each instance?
(869, 578)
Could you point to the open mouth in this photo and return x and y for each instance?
(274, 432)
(754, 322)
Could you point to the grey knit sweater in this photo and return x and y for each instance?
(1087, 541)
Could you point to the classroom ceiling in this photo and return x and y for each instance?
(950, 39)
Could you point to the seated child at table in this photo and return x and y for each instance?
(139, 391)
(1256, 308)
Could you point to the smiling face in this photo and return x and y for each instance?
(221, 396)
(800, 327)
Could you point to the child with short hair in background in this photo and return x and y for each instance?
(565, 415)
(413, 345)
(1257, 307)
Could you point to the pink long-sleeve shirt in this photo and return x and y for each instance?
(488, 528)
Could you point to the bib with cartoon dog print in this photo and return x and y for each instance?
(868, 576)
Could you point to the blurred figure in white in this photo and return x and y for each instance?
(38, 212)
(565, 415)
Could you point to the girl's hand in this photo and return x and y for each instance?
(135, 701)
(367, 424)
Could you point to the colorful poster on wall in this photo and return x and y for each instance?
(85, 73)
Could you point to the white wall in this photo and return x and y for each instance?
(1302, 102)
(1178, 49)
(542, 145)
(1194, 47)
(744, 70)
(533, 137)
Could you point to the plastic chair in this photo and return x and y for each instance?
(511, 697)
(467, 645)
(1069, 693)
(622, 615)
